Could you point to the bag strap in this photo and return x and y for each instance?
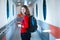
(32, 20)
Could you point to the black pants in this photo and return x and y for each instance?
(25, 36)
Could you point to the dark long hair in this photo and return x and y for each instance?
(27, 10)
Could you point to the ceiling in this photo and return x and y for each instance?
(19, 2)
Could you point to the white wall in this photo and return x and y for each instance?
(15, 11)
(31, 9)
(40, 9)
(57, 2)
(3, 18)
(3, 12)
(53, 11)
(35, 9)
(18, 9)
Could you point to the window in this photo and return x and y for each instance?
(44, 9)
(7, 9)
(13, 9)
(36, 10)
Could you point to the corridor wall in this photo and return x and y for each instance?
(3, 12)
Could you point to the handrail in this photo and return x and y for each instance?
(4, 29)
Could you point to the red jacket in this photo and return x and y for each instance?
(25, 24)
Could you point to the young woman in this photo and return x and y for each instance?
(25, 34)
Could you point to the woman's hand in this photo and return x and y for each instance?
(19, 25)
(22, 26)
(19, 22)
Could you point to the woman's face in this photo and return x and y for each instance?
(23, 10)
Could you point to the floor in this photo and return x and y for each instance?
(16, 35)
(15, 32)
